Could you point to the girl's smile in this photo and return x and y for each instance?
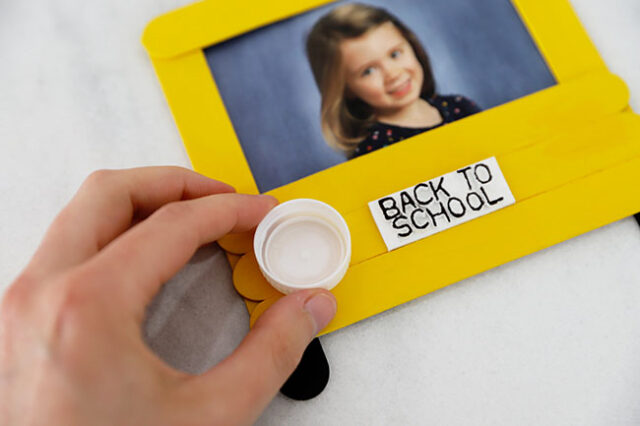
(401, 90)
(382, 69)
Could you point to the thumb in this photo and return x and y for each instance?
(252, 375)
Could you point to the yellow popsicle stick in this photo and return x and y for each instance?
(556, 148)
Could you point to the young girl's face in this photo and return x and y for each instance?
(382, 69)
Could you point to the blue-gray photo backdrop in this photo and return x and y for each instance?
(479, 49)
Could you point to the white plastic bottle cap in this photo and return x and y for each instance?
(303, 244)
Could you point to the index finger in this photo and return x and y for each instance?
(137, 263)
(105, 206)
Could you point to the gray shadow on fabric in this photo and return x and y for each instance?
(197, 318)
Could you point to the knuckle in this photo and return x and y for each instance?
(179, 212)
(25, 279)
(74, 288)
(173, 211)
(67, 317)
(98, 178)
(16, 298)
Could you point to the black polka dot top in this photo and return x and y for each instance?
(451, 108)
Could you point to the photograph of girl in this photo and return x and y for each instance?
(375, 80)
(337, 82)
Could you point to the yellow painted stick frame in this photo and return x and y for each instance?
(570, 153)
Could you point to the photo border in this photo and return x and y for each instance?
(554, 147)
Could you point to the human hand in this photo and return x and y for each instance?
(71, 349)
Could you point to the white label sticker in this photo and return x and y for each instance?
(441, 203)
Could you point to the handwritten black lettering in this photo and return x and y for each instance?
(425, 187)
(491, 202)
(461, 208)
(464, 173)
(415, 223)
(406, 200)
(480, 201)
(404, 225)
(390, 210)
(442, 212)
(487, 173)
(438, 188)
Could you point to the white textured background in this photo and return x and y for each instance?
(550, 339)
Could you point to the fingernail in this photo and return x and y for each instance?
(322, 308)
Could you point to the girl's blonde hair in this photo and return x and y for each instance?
(345, 120)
